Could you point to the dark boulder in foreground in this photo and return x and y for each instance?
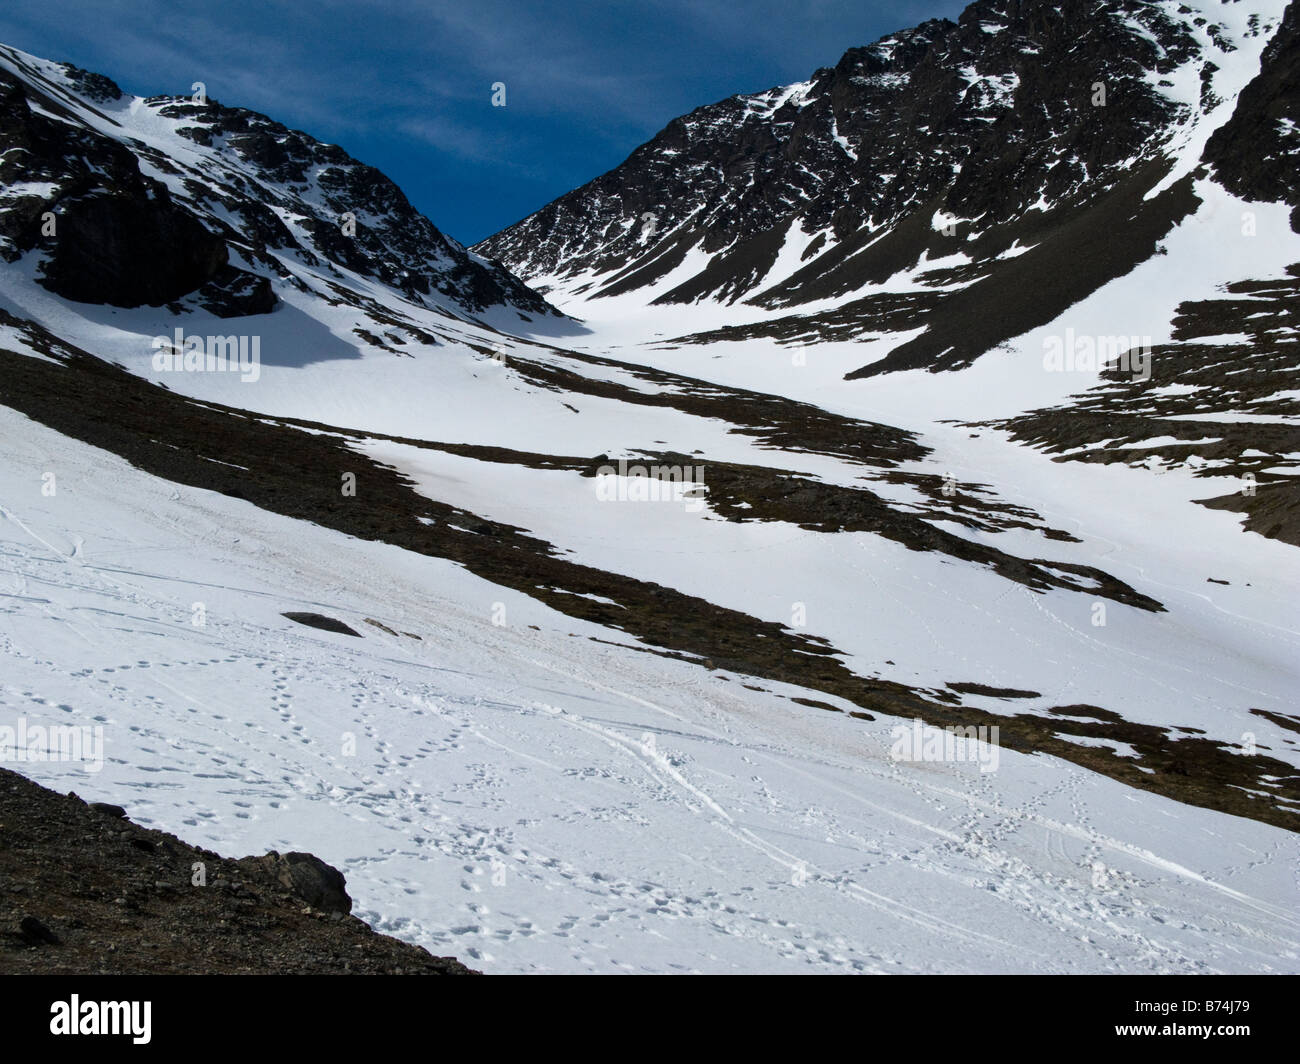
(320, 885)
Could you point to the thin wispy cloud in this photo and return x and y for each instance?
(406, 85)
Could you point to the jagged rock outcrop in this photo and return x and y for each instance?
(110, 234)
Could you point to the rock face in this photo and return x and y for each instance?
(84, 891)
(153, 201)
(1257, 153)
(130, 248)
(232, 293)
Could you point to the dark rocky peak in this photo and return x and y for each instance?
(1019, 105)
(220, 207)
(346, 212)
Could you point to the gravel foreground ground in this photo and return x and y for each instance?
(87, 892)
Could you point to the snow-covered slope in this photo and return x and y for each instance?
(1032, 176)
(608, 721)
(534, 798)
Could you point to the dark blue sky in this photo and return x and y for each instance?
(406, 85)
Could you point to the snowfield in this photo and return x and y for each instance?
(533, 801)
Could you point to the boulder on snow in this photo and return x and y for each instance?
(320, 885)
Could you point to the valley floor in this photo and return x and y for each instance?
(534, 797)
(381, 596)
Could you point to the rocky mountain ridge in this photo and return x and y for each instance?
(991, 171)
(129, 201)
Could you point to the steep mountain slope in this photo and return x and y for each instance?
(975, 178)
(131, 201)
(1254, 153)
(1221, 398)
(995, 187)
